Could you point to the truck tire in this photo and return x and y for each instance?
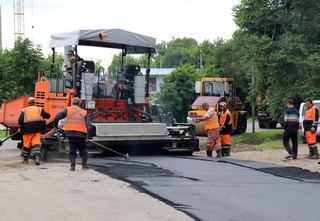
(242, 123)
(200, 131)
(273, 125)
(261, 124)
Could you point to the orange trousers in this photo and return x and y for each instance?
(311, 138)
(225, 139)
(30, 140)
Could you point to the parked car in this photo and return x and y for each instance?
(302, 111)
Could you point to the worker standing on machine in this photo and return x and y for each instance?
(31, 122)
(76, 128)
(226, 129)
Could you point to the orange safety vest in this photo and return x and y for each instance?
(32, 114)
(309, 119)
(76, 119)
(310, 114)
(212, 122)
(223, 118)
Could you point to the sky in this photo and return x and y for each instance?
(161, 19)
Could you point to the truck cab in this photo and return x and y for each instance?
(160, 115)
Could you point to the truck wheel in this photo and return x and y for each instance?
(261, 124)
(267, 124)
(273, 125)
(242, 124)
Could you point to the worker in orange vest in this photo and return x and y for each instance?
(226, 129)
(310, 123)
(76, 128)
(31, 122)
(213, 129)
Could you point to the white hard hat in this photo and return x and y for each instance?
(223, 104)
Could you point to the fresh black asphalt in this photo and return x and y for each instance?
(221, 189)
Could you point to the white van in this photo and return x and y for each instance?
(302, 111)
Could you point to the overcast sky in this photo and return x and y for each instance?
(162, 19)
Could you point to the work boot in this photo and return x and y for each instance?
(25, 160)
(85, 163)
(37, 160)
(225, 151)
(72, 163)
(209, 153)
(228, 151)
(290, 156)
(314, 154)
(73, 167)
(219, 153)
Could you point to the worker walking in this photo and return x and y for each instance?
(291, 126)
(76, 128)
(31, 122)
(213, 130)
(226, 129)
(310, 124)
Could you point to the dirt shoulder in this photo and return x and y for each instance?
(245, 152)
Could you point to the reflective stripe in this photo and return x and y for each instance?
(212, 122)
(76, 119)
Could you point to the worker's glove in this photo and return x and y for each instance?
(313, 129)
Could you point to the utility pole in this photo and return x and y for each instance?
(253, 101)
(200, 59)
(18, 13)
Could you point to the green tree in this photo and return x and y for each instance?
(19, 68)
(177, 91)
(177, 52)
(280, 41)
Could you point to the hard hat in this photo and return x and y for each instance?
(223, 104)
(76, 100)
(308, 99)
(31, 100)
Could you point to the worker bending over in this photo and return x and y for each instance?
(213, 130)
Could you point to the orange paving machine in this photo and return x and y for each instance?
(117, 110)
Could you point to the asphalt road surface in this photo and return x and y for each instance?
(226, 189)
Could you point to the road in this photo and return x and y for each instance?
(256, 126)
(211, 189)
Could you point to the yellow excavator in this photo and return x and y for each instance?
(213, 91)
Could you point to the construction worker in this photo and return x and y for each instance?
(213, 130)
(76, 128)
(31, 122)
(310, 123)
(226, 129)
(291, 126)
(71, 61)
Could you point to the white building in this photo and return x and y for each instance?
(156, 76)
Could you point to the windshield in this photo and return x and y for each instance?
(212, 88)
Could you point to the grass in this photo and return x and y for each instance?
(261, 140)
(3, 133)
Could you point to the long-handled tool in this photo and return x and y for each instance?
(2, 141)
(100, 145)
